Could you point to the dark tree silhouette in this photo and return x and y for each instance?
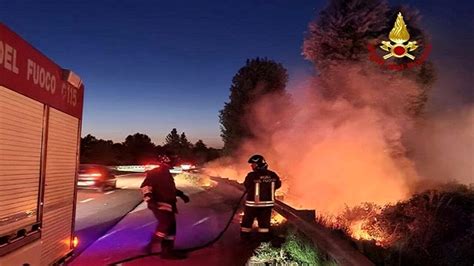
(95, 150)
(257, 78)
(341, 33)
(139, 148)
(173, 140)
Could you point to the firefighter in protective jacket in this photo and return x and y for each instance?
(159, 191)
(260, 184)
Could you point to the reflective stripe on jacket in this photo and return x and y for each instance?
(159, 189)
(261, 185)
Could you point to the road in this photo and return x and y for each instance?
(199, 222)
(97, 212)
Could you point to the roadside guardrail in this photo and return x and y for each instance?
(335, 247)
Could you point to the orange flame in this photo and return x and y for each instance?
(331, 154)
(359, 232)
(277, 219)
(206, 182)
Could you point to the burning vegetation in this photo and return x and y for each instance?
(277, 219)
(355, 141)
(434, 227)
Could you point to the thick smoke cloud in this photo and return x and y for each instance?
(444, 146)
(345, 151)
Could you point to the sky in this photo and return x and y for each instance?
(150, 66)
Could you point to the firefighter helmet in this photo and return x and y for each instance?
(258, 160)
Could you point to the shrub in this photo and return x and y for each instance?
(300, 250)
(297, 250)
(434, 227)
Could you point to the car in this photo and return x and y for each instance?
(95, 176)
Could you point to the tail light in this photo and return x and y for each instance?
(75, 242)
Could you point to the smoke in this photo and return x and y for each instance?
(444, 146)
(340, 152)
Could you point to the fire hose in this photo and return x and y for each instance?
(186, 250)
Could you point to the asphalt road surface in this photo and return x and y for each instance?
(97, 212)
(199, 221)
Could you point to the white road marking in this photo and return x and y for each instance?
(106, 235)
(145, 225)
(201, 221)
(87, 200)
(110, 192)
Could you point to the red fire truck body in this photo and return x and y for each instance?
(40, 122)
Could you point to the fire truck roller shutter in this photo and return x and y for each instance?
(21, 129)
(61, 160)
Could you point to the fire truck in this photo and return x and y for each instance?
(40, 124)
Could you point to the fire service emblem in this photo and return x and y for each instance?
(399, 35)
(398, 46)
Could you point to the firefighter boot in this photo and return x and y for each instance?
(168, 252)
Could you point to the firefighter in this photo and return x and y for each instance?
(260, 185)
(159, 191)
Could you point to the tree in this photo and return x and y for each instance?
(341, 34)
(343, 30)
(97, 151)
(173, 140)
(184, 142)
(257, 78)
(120, 154)
(200, 146)
(200, 152)
(139, 148)
(213, 154)
(203, 154)
(185, 151)
(87, 148)
(178, 145)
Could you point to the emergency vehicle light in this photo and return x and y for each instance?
(72, 78)
(75, 242)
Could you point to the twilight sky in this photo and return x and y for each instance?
(150, 66)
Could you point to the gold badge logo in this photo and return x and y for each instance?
(399, 35)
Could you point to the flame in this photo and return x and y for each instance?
(346, 157)
(399, 33)
(227, 168)
(277, 219)
(359, 231)
(206, 182)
